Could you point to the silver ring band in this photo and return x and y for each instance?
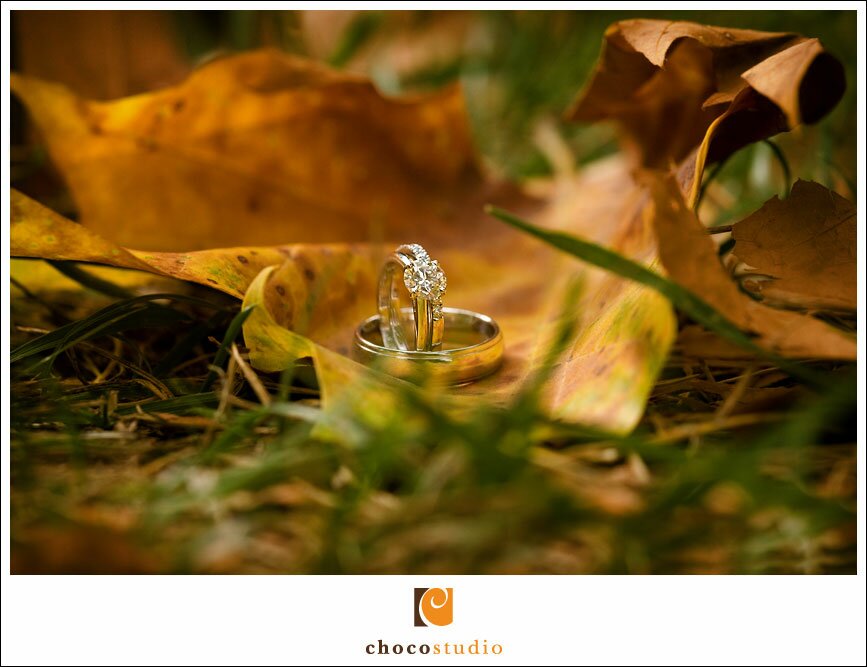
(473, 350)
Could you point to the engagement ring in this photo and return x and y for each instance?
(426, 283)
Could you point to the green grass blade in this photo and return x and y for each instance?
(682, 298)
(105, 322)
(356, 35)
(124, 315)
(175, 405)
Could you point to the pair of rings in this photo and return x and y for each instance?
(454, 345)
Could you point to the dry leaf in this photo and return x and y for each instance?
(684, 94)
(690, 257)
(605, 377)
(802, 250)
(40, 232)
(343, 383)
(257, 149)
(665, 82)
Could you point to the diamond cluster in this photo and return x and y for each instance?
(424, 278)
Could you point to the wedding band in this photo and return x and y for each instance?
(426, 283)
(473, 349)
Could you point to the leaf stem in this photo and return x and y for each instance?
(232, 332)
(784, 165)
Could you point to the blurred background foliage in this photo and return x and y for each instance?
(520, 72)
(98, 486)
(518, 68)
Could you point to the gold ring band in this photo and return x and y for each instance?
(473, 350)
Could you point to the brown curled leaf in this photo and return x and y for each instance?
(665, 82)
(801, 250)
(690, 258)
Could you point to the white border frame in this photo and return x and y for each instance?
(322, 620)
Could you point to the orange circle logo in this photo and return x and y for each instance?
(433, 606)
